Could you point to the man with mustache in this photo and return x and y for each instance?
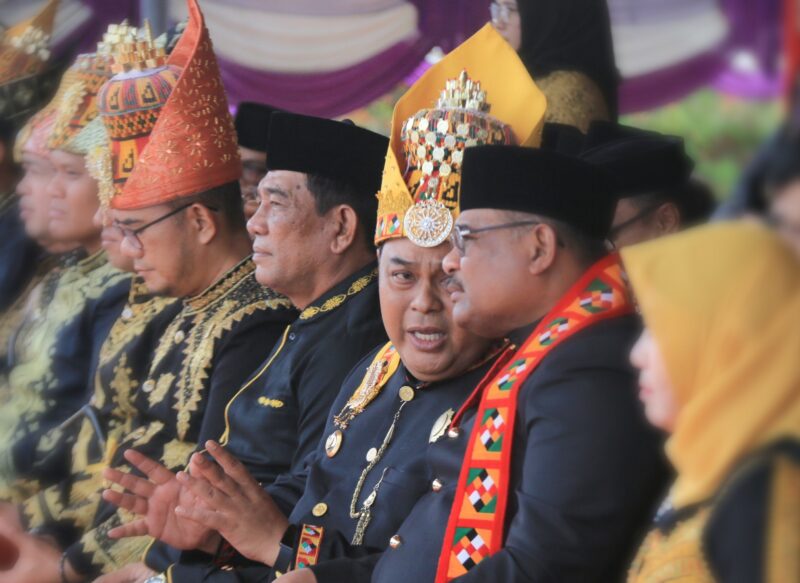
(549, 469)
(360, 481)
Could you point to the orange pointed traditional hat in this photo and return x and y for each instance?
(480, 93)
(24, 55)
(192, 147)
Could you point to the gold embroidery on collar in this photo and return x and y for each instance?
(204, 320)
(235, 276)
(334, 302)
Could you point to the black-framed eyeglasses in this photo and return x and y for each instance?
(502, 13)
(132, 235)
(460, 233)
(616, 230)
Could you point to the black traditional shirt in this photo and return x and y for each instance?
(397, 477)
(54, 356)
(586, 470)
(18, 253)
(277, 418)
(70, 458)
(204, 354)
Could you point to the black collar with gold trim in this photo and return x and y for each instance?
(222, 287)
(339, 294)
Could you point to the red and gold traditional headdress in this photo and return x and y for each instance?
(483, 95)
(192, 146)
(129, 105)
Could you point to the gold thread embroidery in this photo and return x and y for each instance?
(337, 300)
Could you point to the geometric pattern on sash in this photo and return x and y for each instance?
(477, 517)
(470, 547)
(308, 546)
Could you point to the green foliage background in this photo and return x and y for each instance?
(721, 132)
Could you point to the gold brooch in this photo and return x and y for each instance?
(428, 223)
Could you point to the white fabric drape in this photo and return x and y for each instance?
(288, 43)
(656, 34)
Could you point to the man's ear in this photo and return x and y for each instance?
(542, 242)
(343, 222)
(204, 222)
(668, 218)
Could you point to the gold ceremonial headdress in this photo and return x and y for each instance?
(24, 54)
(25, 47)
(482, 94)
(76, 99)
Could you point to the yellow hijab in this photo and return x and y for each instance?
(723, 304)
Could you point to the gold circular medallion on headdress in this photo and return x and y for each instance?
(428, 223)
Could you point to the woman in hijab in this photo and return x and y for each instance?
(567, 48)
(720, 372)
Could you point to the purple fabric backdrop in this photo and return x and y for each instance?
(446, 23)
(104, 12)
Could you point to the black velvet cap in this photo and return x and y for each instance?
(539, 182)
(562, 138)
(333, 149)
(252, 125)
(638, 161)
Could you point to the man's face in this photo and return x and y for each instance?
(784, 211)
(489, 282)
(73, 201)
(289, 239)
(111, 240)
(254, 168)
(418, 313)
(34, 204)
(165, 256)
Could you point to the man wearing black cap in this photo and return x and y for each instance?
(313, 242)
(549, 469)
(652, 176)
(252, 129)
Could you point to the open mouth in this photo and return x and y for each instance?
(427, 339)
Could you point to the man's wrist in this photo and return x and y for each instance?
(272, 548)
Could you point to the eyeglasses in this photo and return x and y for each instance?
(250, 194)
(502, 13)
(460, 233)
(615, 232)
(132, 235)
